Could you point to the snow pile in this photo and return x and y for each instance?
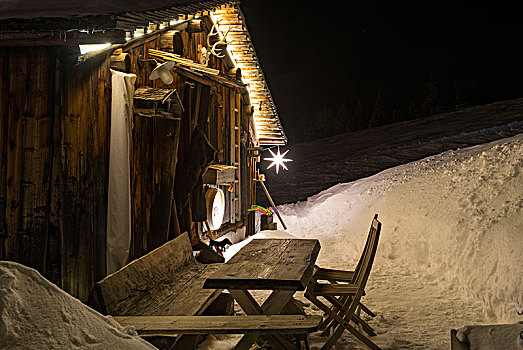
(36, 314)
(499, 337)
(455, 220)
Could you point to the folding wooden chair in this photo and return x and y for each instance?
(344, 298)
(342, 276)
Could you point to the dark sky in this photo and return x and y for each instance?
(323, 54)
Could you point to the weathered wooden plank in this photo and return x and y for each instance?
(330, 274)
(334, 289)
(36, 143)
(140, 192)
(239, 160)
(144, 273)
(100, 121)
(165, 146)
(281, 264)
(84, 174)
(263, 324)
(16, 67)
(4, 83)
(220, 125)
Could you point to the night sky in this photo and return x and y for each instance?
(326, 55)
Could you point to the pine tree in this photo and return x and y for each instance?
(323, 124)
(413, 110)
(378, 112)
(341, 120)
(360, 122)
(431, 98)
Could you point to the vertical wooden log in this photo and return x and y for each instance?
(232, 150)
(4, 83)
(237, 127)
(16, 67)
(36, 144)
(101, 83)
(165, 146)
(138, 170)
(220, 127)
(147, 183)
(84, 174)
(53, 260)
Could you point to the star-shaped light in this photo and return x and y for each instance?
(278, 159)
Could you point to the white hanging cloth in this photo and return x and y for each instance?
(119, 190)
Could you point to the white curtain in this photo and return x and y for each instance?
(119, 198)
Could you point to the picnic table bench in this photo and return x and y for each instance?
(161, 294)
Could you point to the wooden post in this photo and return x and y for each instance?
(272, 203)
(232, 150)
(237, 182)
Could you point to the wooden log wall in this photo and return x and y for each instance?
(54, 149)
(28, 211)
(84, 151)
(54, 153)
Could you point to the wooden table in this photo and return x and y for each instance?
(284, 266)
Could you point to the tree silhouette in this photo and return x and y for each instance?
(431, 98)
(341, 120)
(378, 112)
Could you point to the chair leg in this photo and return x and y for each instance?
(367, 310)
(366, 328)
(343, 323)
(306, 342)
(298, 341)
(338, 304)
(338, 332)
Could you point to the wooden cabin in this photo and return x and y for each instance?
(99, 164)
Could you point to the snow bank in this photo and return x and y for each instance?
(455, 219)
(36, 314)
(499, 337)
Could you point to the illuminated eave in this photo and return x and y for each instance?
(269, 131)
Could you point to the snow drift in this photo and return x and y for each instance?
(455, 219)
(36, 314)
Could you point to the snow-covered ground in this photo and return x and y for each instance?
(450, 252)
(37, 315)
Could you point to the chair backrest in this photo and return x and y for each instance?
(364, 252)
(362, 275)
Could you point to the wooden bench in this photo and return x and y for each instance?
(250, 324)
(167, 281)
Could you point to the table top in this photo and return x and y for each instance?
(274, 264)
